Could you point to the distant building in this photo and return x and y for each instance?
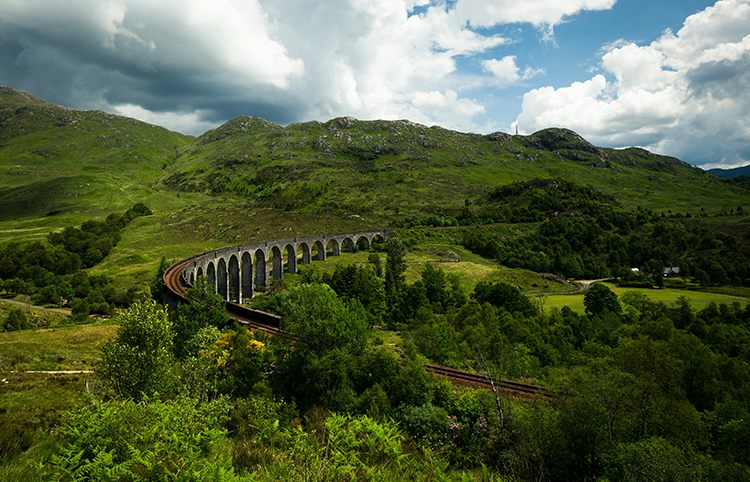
(673, 272)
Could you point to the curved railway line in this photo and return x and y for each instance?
(175, 287)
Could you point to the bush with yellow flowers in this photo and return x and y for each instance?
(241, 357)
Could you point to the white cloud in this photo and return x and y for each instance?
(290, 60)
(231, 39)
(686, 94)
(507, 72)
(382, 58)
(179, 122)
(544, 14)
(447, 108)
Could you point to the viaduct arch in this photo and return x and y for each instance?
(237, 272)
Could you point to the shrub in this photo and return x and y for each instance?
(16, 320)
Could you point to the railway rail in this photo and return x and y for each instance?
(477, 380)
(175, 287)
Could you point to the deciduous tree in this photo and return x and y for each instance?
(323, 320)
(138, 361)
(600, 299)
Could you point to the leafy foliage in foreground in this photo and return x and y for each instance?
(155, 441)
(660, 391)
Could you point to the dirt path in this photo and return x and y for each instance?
(60, 372)
(20, 303)
(585, 283)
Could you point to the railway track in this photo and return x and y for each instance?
(175, 287)
(477, 380)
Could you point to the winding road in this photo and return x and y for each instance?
(26, 305)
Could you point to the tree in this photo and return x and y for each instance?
(324, 322)
(374, 260)
(49, 294)
(360, 283)
(65, 291)
(434, 282)
(239, 356)
(157, 287)
(80, 309)
(505, 296)
(16, 320)
(140, 209)
(395, 267)
(14, 286)
(600, 299)
(457, 295)
(138, 361)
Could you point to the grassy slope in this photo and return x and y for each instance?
(470, 267)
(376, 166)
(53, 349)
(59, 165)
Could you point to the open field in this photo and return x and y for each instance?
(53, 349)
(698, 299)
(39, 401)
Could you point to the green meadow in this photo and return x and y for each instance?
(699, 299)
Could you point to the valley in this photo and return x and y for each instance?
(491, 236)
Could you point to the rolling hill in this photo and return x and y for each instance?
(731, 173)
(55, 160)
(367, 167)
(250, 179)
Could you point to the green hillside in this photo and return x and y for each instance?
(60, 166)
(383, 166)
(58, 161)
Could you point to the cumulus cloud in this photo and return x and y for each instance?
(507, 72)
(227, 38)
(686, 94)
(438, 108)
(193, 63)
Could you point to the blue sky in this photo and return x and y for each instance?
(670, 76)
(576, 47)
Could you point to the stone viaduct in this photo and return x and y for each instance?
(236, 272)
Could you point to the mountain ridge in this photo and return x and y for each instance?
(51, 155)
(253, 158)
(731, 173)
